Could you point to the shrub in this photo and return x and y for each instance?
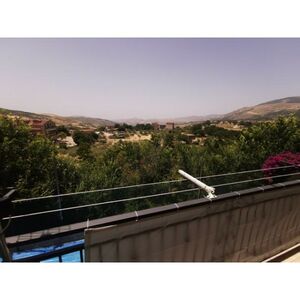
(287, 158)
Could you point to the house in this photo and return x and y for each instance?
(155, 126)
(45, 127)
(170, 126)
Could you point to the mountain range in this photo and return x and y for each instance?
(267, 110)
(264, 111)
(75, 121)
(180, 120)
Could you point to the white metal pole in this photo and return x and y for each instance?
(209, 190)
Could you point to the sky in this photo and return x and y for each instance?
(145, 78)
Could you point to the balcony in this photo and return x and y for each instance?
(249, 220)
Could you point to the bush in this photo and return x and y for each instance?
(289, 159)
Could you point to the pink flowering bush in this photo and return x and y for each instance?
(287, 158)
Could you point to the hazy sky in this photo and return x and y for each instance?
(145, 78)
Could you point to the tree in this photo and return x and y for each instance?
(30, 162)
(275, 165)
(268, 138)
(156, 139)
(168, 139)
(84, 151)
(80, 137)
(63, 129)
(197, 130)
(14, 139)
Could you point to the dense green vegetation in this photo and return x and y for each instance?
(36, 166)
(63, 130)
(137, 127)
(32, 163)
(208, 129)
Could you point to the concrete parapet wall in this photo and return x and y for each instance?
(250, 226)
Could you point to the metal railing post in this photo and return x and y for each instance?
(4, 251)
(81, 255)
(5, 211)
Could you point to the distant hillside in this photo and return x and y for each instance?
(84, 121)
(180, 120)
(267, 110)
(75, 121)
(264, 111)
(22, 114)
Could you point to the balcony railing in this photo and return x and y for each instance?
(42, 213)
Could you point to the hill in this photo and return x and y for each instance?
(74, 121)
(180, 120)
(264, 111)
(267, 110)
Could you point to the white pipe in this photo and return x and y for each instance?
(209, 190)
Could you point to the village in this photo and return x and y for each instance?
(63, 135)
